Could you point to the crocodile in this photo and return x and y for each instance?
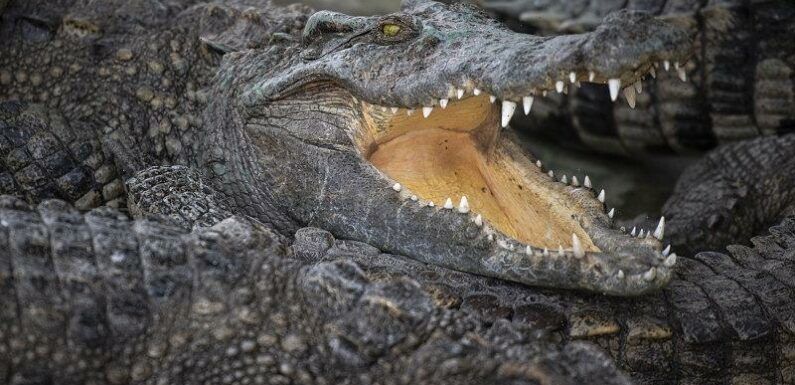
(293, 119)
(740, 80)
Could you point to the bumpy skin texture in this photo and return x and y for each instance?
(97, 298)
(732, 194)
(741, 80)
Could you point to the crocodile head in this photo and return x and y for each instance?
(391, 130)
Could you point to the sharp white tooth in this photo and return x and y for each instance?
(633, 233)
(601, 196)
(546, 252)
(659, 233)
(587, 182)
(629, 93)
(443, 103)
(667, 65)
(551, 174)
(591, 76)
(676, 65)
(492, 99)
(394, 110)
(414, 198)
(527, 103)
(666, 251)
(397, 187)
(577, 246)
(653, 73)
(528, 250)
(431, 204)
(459, 93)
(641, 234)
(410, 112)
(620, 274)
(649, 275)
(448, 204)
(476, 91)
(463, 206)
(426, 111)
(491, 237)
(560, 250)
(670, 261)
(538, 163)
(544, 93)
(572, 77)
(611, 213)
(479, 220)
(508, 108)
(575, 182)
(564, 180)
(614, 85)
(559, 86)
(638, 86)
(383, 108)
(682, 74)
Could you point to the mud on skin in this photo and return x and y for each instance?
(295, 119)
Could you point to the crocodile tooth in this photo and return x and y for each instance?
(577, 246)
(575, 182)
(544, 93)
(676, 65)
(653, 73)
(559, 86)
(641, 234)
(431, 204)
(670, 261)
(611, 213)
(591, 76)
(539, 164)
(459, 93)
(528, 250)
(410, 112)
(638, 86)
(564, 180)
(383, 108)
(572, 77)
(397, 187)
(560, 251)
(666, 251)
(463, 206)
(551, 174)
(667, 65)
(620, 274)
(479, 220)
(587, 182)
(633, 233)
(629, 93)
(490, 237)
(414, 198)
(546, 252)
(492, 99)
(649, 275)
(448, 204)
(682, 74)
(443, 103)
(601, 196)
(426, 111)
(614, 85)
(508, 108)
(660, 231)
(527, 103)
(476, 91)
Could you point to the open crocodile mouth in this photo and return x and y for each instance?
(454, 155)
(458, 154)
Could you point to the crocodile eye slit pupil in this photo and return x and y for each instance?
(391, 30)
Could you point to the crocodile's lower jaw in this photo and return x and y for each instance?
(457, 153)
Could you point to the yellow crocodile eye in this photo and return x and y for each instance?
(391, 30)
